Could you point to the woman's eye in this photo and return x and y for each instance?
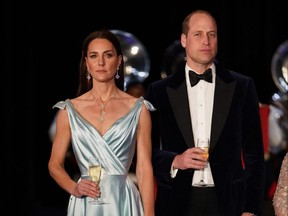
(108, 55)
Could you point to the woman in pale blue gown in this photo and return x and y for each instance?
(106, 122)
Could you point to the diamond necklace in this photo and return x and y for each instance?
(102, 105)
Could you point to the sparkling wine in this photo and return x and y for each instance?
(206, 154)
(95, 172)
(204, 145)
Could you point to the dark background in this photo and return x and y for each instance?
(43, 47)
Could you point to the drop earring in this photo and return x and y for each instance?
(117, 74)
(88, 76)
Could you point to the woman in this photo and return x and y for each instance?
(106, 122)
(280, 199)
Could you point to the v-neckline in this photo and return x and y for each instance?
(112, 125)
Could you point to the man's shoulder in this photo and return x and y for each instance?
(162, 82)
(229, 74)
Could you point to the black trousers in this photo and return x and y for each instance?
(203, 202)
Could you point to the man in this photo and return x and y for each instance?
(224, 109)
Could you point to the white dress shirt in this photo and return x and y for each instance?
(201, 99)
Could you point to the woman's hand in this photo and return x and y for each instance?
(86, 187)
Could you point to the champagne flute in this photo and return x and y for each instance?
(203, 144)
(95, 167)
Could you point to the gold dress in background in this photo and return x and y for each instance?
(280, 199)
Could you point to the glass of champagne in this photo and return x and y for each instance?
(95, 167)
(203, 144)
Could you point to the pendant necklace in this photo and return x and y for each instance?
(102, 105)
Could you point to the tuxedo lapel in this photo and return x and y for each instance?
(179, 102)
(223, 96)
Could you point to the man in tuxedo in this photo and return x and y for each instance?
(205, 100)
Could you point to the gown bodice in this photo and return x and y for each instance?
(117, 146)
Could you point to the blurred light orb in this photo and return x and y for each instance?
(278, 120)
(279, 67)
(135, 55)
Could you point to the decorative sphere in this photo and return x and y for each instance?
(136, 58)
(279, 67)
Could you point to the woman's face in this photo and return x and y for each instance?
(102, 61)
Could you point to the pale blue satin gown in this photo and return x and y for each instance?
(117, 145)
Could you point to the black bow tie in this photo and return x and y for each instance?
(195, 78)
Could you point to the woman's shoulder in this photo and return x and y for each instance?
(75, 102)
(147, 104)
(82, 100)
(131, 101)
(61, 104)
(285, 161)
(125, 96)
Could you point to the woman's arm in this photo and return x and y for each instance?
(60, 146)
(144, 170)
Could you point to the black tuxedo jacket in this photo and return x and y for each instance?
(236, 148)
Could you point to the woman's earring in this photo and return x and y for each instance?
(88, 76)
(117, 75)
